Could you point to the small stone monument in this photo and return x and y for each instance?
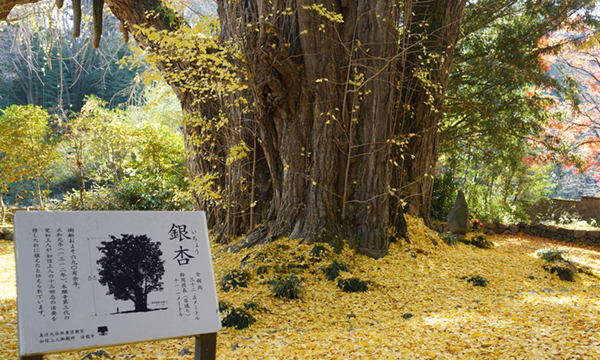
(458, 219)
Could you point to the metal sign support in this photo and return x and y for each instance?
(206, 347)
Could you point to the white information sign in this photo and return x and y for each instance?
(94, 278)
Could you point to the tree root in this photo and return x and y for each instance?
(258, 236)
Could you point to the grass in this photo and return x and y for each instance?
(513, 317)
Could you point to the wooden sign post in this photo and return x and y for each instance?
(91, 279)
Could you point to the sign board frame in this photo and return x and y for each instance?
(90, 279)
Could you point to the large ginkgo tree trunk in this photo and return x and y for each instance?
(336, 102)
(344, 99)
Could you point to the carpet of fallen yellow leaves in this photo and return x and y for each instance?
(523, 313)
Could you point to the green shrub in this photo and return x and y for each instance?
(433, 240)
(275, 257)
(223, 306)
(299, 262)
(254, 306)
(476, 280)
(260, 256)
(449, 239)
(96, 198)
(482, 242)
(411, 252)
(262, 269)
(132, 193)
(238, 318)
(288, 287)
(235, 278)
(568, 219)
(7, 232)
(281, 248)
(152, 192)
(352, 285)
(98, 354)
(332, 271)
(563, 270)
(557, 263)
(318, 252)
(550, 254)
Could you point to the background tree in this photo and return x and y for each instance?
(8, 175)
(131, 268)
(497, 112)
(46, 66)
(27, 147)
(123, 160)
(577, 63)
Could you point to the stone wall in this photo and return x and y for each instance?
(588, 207)
(488, 228)
(587, 237)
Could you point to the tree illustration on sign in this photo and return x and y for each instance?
(131, 268)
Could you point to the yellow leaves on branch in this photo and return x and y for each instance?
(321, 10)
(208, 74)
(204, 186)
(237, 152)
(27, 148)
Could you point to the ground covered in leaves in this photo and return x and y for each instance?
(422, 301)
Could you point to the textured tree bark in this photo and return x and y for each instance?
(7, 5)
(329, 98)
(325, 142)
(434, 29)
